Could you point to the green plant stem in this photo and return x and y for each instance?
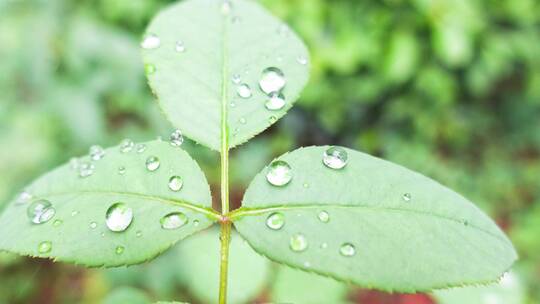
(225, 238)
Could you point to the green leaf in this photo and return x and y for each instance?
(199, 262)
(295, 286)
(126, 295)
(409, 232)
(78, 232)
(195, 87)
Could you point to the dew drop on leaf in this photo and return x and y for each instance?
(45, 247)
(275, 221)
(347, 250)
(149, 69)
(173, 220)
(244, 91)
(57, 223)
(242, 120)
(324, 216)
(306, 185)
(86, 169)
(121, 170)
(93, 225)
(140, 148)
(152, 163)
(324, 245)
(196, 223)
(96, 152)
(298, 242)
(40, 211)
(23, 198)
(302, 60)
(176, 183)
(118, 217)
(307, 264)
(126, 145)
(407, 197)
(272, 80)
(138, 233)
(335, 158)
(276, 101)
(119, 250)
(74, 213)
(279, 173)
(236, 79)
(179, 47)
(272, 119)
(150, 42)
(176, 138)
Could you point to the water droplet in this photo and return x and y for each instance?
(324, 245)
(236, 79)
(279, 58)
(179, 47)
(176, 138)
(279, 173)
(302, 60)
(173, 220)
(226, 7)
(150, 42)
(93, 225)
(74, 212)
(347, 250)
(275, 221)
(242, 120)
(272, 80)
(335, 158)
(244, 91)
(121, 170)
(307, 264)
(298, 242)
(102, 234)
(45, 247)
(138, 233)
(119, 250)
(118, 217)
(196, 223)
(126, 145)
(407, 197)
(57, 223)
(276, 101)
(176, 183)
(23, 198)
(272, 119)
(40, 211)
(324, 216)
(306, 185)
(149, 69)
(233, 105)
(152, 163)
(140, 148)
(86, 169)
(96, 152)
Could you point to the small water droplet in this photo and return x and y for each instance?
(307, 264)
(138, 233)
(324, 216)
(233, 105)
(126, 145)
(23, 198)
(179, 47)
(226, 7)
(102, 234)
(407, 197)
(119, 250)
(176, 138)
(152, 163)
(40, 211)
(96, 152)
(242, 120)
(275, 102)
(275, 221)
(150, 42)
(196, 223)
(57, 223)
(272, 119)
(93, 225)
(324, 245)
(236, 79)
(306, 185)
(279, 58)
(149, 69)
(244, 91)
(173, 220)
(86, 169)
(347, 250)
(176, 183)
(298, 242)
(118, 217)
(74, 213)
(279, 173)
(45, 247)
(302, 60)
(121, 170)
(140, 148)
(272, 80)
(335, 158)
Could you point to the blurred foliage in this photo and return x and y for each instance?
(450, 88)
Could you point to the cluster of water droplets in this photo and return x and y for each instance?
(151, 42)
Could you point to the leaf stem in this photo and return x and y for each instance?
(225, 238)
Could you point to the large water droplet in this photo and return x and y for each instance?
(45, 247)
(173, 220)
(140, 148)
(272, 80)
(298, 242)
(86, 169)
(407, 197)
(279, 173)
(179, 47)
(152, 163)
(275, 221)
(335, 158)
(324, 216)
(302, 60)
(176, 183)
(176, 138)
(126, 145)
(96, 152)
(347, 250)
(276, 101)
(40, 211)
(23, 198)
(244, 91)
(118, 217)
(150, 42)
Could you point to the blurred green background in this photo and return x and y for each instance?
(450, 88)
